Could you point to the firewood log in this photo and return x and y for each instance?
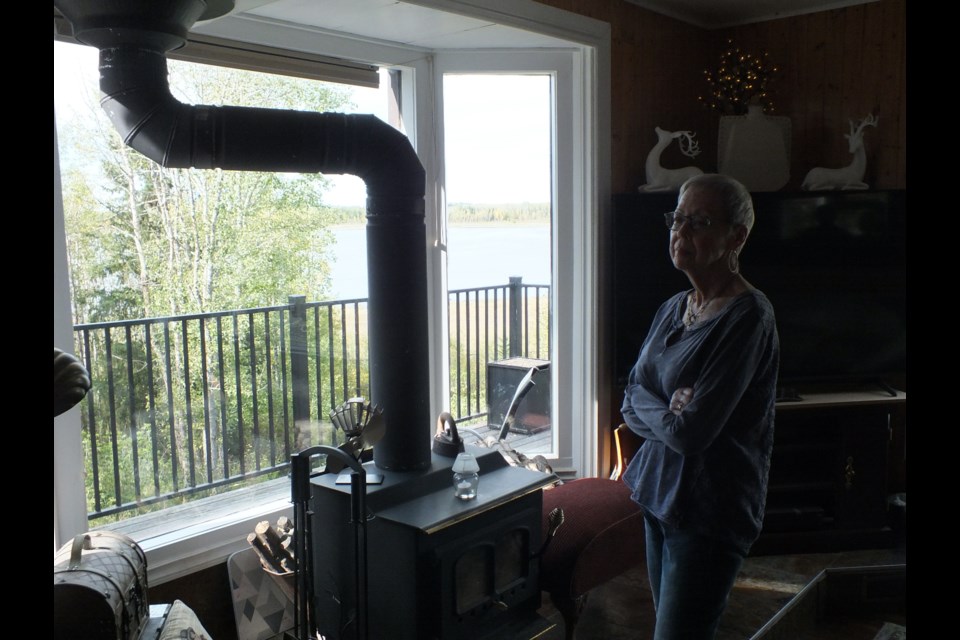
(267, 559)
(271, 539)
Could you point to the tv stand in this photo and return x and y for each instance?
(792, 394)
(837, 456)
(886, 387)
(788, 394)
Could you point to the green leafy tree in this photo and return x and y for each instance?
(186, 241)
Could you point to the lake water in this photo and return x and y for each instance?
(477, 256)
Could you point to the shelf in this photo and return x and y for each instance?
(842, 399)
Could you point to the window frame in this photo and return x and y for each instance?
(565, 163)
(190, 550)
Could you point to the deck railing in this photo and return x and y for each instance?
(486, 324)
(184, 406)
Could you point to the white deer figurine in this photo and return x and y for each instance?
(851, 176)
(660, 179)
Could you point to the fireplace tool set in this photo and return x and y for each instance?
(363, 425)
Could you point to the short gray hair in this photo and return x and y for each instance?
(737, 204)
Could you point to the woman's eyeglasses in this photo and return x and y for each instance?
(675, 220)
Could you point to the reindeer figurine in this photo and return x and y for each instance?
(660, 179)
(851, 176)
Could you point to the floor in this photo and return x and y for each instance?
(623, 607)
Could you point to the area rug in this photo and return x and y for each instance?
(622, 608)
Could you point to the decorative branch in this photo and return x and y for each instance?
(741, 79)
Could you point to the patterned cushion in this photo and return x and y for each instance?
(262, 603)
(182, 623)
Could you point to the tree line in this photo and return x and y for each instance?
(461, 213)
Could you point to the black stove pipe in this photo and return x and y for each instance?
(133, 37)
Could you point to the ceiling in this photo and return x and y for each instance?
(407, 23)
(415, 23)
(715, 14)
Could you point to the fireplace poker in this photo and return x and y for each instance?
(304, 616)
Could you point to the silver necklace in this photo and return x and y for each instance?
(692, 316)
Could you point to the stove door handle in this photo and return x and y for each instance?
(554, 520)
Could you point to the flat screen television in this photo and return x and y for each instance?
(832, 263)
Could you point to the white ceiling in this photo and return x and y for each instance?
(411, 24)
(395, 22)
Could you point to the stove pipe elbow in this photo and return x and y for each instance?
(136, 97)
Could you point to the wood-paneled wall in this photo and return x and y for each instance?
(208, 593)
(835, 65)
(656, 76)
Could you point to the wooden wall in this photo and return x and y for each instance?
(835, 65)
(839, 65)
(656, 76)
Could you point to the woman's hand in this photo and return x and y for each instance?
(680, 398)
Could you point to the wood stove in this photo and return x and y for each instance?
(438, 566)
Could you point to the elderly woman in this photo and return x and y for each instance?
(702, 396)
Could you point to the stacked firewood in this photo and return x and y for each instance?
(274, 545)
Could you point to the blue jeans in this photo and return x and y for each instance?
(691, 576)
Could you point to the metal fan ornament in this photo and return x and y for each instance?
(361, 422)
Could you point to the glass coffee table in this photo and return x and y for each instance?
(852, 603)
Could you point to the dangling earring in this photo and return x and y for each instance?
(733, 262)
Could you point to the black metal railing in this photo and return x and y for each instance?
(487, 324)
(183, 406)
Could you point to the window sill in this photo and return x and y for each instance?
(182, 540)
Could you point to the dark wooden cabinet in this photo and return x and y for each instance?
(832, 471)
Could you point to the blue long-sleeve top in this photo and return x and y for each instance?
(707, 467)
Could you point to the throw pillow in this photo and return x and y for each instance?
(182, 624)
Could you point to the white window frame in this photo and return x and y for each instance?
(189, 551)
(69, 496)
(566, 164)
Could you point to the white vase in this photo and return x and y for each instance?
(755, 149)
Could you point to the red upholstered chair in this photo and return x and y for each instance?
(601, 537)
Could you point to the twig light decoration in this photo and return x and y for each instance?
(739, 80)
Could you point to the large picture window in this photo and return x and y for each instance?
(188, 290)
